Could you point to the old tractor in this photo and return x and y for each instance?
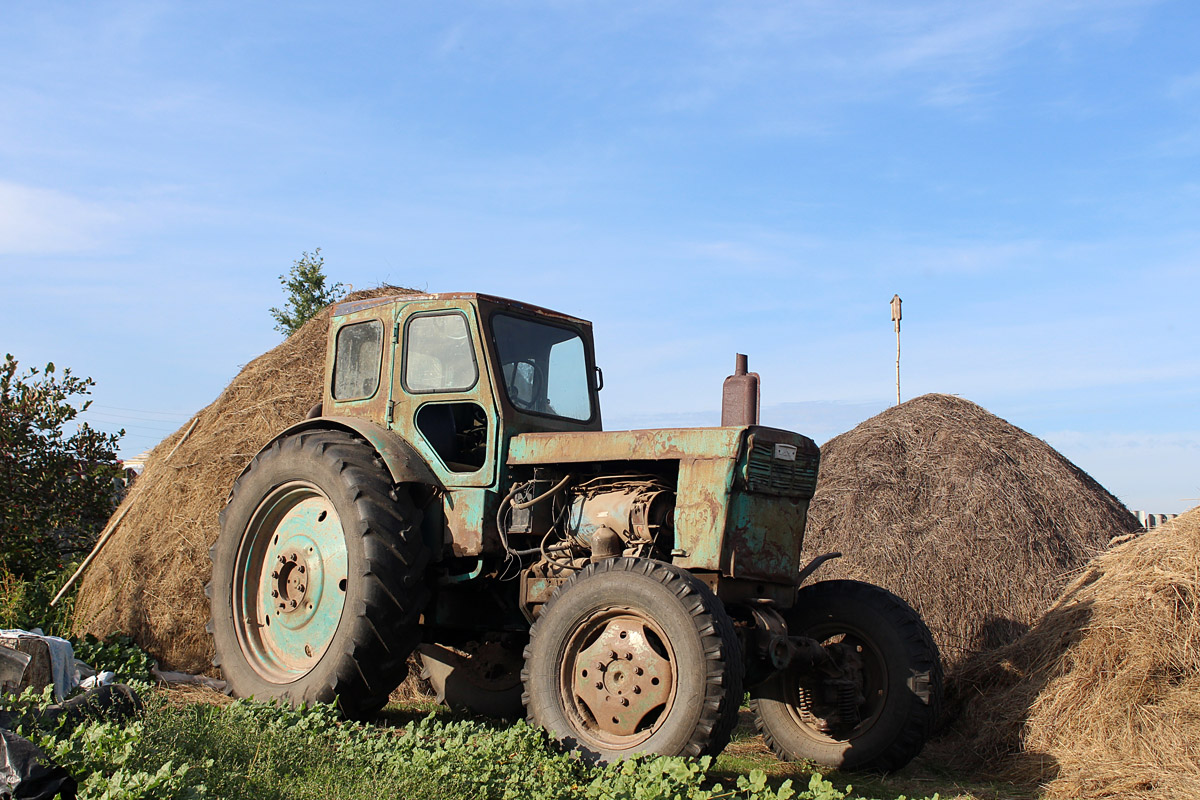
(454, 495)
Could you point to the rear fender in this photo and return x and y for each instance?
(403, 462)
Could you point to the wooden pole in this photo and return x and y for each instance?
(111, 527)
(896, 321)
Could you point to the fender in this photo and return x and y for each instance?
(403, 462)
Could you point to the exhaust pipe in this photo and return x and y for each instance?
(740, 396)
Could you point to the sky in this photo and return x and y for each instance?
(697, 178)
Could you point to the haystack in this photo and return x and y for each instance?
(149, 579)
(1101, 698)
(975, 522)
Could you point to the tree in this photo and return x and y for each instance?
(307, 292)
(56, 490)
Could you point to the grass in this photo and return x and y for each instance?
(196, 743)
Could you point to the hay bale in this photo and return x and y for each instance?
(1101, 698)
(973, 521)
(149, 579)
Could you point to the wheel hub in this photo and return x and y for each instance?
(290, 576)
(622, 680)
(292, 592)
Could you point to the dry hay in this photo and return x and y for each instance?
(149, 579)
(975, 522)
(1102, 697)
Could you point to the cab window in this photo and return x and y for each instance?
(438, 356)
(359, 355)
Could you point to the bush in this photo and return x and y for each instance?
(56, 491)
(25, 602)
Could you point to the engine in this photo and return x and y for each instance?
(576, 522)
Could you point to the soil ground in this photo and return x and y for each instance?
(921, 778)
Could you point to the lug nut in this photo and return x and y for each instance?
(624, 701)
(275, 574)
(294, 604)
(637, 690)
(637, 670)
(629, 656)
(301, 568)
(274, 593)
(300, 588)
(599, 684)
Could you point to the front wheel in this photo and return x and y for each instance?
(875, 702)
(634, 656)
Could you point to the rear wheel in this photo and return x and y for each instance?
(478, 678)
(317, 576)
(875, 704)
(634, 656)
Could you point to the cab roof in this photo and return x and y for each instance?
(354, 306)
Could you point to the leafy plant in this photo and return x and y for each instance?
(306, 292)
(118, 654)
(56, 490)
(270, 751)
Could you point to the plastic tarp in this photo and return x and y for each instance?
(26, 773)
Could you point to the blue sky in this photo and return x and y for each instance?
(697, 178)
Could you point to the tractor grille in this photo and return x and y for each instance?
(768, 473)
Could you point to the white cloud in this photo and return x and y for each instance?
(36, 221)
(951, 49)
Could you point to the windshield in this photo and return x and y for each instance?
(544, 367)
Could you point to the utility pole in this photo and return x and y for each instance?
(896, 323)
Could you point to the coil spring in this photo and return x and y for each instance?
(848, 702)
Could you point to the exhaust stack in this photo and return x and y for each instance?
(739, 396)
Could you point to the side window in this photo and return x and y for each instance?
(359, 355)
(438, 356)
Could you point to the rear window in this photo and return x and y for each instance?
(359, 357)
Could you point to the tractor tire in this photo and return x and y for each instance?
(318, 576)
(898, 685)
(634, 656)
(481, 678)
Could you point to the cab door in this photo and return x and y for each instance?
(442, 402)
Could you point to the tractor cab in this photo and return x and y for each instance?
(456, 376)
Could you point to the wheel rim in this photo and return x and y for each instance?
(290, 587)
(618, 677)
(812, 712)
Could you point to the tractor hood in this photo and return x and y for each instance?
(646, 445)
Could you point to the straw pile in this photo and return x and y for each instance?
(1102, 697)
(149, 579)
(976, 523)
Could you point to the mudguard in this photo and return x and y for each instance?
(403, 462)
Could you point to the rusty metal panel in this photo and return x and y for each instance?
(700, 511)
(645, 445)
(466, 512)
(763, 537)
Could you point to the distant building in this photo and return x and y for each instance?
(134, 466)
(1148, 521)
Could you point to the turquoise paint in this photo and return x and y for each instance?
(293, 641)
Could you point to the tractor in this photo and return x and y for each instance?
(454, 496)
